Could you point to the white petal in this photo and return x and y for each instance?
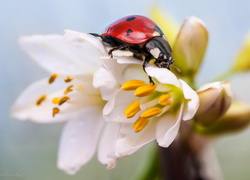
(78, 37)
(132, 141)
(105, 80)
(128, 60)
(110, 105)
(119, 53)
(106, 148)
(163, 75)
(168, 128)
(25, 106)
(114, 108)
(112, 75)
(218, 85)
(79, 140)
(193, 101)
(56, 55)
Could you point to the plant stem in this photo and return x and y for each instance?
(184, 158)
(152, 171)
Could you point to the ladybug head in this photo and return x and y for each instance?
(159, 48)
(164, 63)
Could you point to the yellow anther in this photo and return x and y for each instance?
(165, 99)
(132, 109)
(145, 90)
(40, 100)
(69, 89)
(132, 85)
(52, 78)
(68, 79)
(55, 100)
(55, 111)
(140, 124)
(151, 112)
(63, 100)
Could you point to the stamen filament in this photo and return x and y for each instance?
(145, 90)
(79, 87)
(140, 124)
(151, 112)
(132, 85)
(132, 109)
(149, 104)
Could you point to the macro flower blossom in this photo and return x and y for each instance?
(145, 111)
(67, 95)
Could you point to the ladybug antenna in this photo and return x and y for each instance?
(96, 35)
(176, 68)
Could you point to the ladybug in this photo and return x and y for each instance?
(142, 37)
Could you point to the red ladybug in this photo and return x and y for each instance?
(141, 36)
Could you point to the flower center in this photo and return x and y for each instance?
(152, 101)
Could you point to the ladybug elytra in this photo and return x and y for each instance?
(142, 37)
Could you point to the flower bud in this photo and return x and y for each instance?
(242, 62)
(236, 118)
(190, 46)
(215, 99)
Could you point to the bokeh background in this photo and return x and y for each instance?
(29, 150)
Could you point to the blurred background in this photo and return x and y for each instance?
(29, 150)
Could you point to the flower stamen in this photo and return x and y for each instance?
(55, 111)
(132, 109)
(145, 90)
(151, 112)
(69, 89)
(68, 79)
(55, 100)
(40, 100)
(140, 124)
(52, 78)
(132, 85)
(63, 100)
(164, 100)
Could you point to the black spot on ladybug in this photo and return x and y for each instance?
(130, 18)
(128, 32)
(156, 28)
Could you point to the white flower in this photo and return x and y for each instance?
(144, 111)
(68, 95)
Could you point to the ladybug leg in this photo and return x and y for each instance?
(114, 49)
(144, 65)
